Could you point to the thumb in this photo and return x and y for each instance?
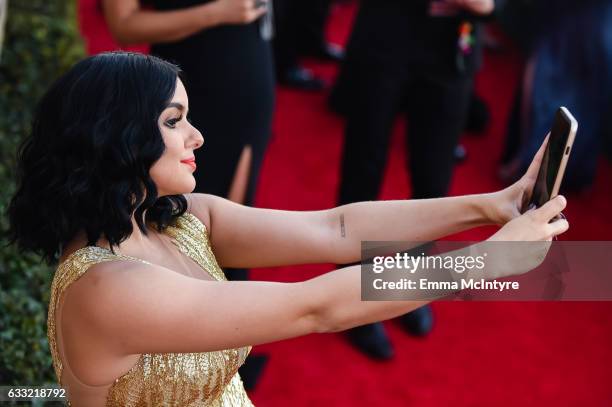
(534, 167)
(552, 208)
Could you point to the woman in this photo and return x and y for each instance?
(140, 312)
(226, 56)
(223, 49)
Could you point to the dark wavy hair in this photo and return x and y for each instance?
(85, 165)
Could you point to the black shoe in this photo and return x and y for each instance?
(418, 322)
(301, 78)
(251, 370)
(460, 154)
(371, 340)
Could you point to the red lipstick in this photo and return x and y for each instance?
(190, 162)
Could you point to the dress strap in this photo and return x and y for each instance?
(189, 234)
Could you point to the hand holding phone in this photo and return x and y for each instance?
(554, 160)
(542, 180)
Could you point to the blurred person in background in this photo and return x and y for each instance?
(223, 48)
(568, 62)
(300, 31)
(418, 58)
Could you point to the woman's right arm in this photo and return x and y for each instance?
(135, 308)
(130, 24)
(132, 308)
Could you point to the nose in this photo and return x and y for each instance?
(198, 139)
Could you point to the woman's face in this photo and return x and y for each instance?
(173, 172)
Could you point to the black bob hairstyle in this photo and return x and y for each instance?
(85, 166)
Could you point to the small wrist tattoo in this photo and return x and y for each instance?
(342, 229)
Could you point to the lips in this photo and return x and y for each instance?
(190, 162)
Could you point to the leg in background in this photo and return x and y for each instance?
(436, 118)
(238, 188)
(437, 112)
(288, 23)
(370, 115)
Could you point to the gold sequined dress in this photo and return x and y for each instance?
(169, 379)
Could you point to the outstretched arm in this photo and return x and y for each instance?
(121, 308)
(254, 237)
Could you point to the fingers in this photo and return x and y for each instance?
(245, 11)
(258, 8)
(534, 167)
(558, 227)
(551, 208)
(259, 11)
(528, 180)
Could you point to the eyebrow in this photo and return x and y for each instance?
(177, 105)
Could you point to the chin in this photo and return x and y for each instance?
(184, 188)
(189, 186)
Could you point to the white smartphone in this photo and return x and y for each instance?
(556, 155)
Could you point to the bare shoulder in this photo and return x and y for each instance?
(112, 292)
(200, 205)
(105, 281)
(90, 310)
(99, 289)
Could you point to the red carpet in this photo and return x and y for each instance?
(479, 354)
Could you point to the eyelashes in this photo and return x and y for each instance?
(171, 123)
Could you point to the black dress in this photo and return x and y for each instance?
(228, 74)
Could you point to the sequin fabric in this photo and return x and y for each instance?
(169, 379)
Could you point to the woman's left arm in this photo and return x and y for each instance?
(251, 237)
